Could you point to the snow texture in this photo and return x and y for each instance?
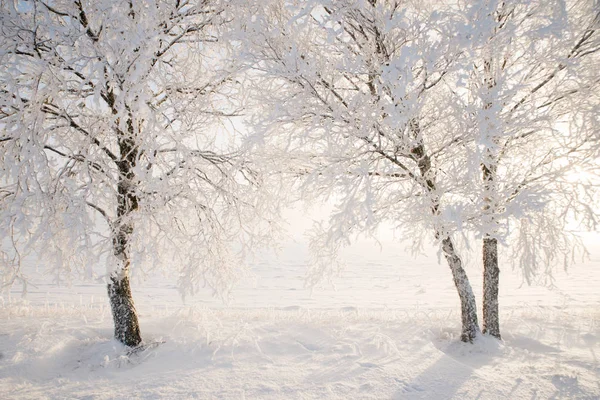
(376, 337)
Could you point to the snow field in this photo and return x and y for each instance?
(403, 130)
(375, 276)
(390, 329)
(298, 354)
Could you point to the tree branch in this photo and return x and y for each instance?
(77, 157)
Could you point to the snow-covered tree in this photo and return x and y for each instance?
(355, 93)
(470, 117)
(533, 64)
(114, 141)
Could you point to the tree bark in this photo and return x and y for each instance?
(491, 279)
(468, 305)
(489, 168)
(491, 268)
(127, 327)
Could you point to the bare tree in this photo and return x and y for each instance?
(118, 110)
(531, 63)
(355, 91)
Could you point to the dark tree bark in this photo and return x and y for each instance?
(491, 268)
(127, 328)
(468, 305)
(489, 168)
(491, 279)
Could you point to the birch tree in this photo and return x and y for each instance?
(113, 118)
(532, 63)
(356, 95)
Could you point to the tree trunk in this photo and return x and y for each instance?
(491, 275)
(127, 327)
(468, 307)
(489, 168)
(491, 269)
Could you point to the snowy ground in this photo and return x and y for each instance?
(390, 330)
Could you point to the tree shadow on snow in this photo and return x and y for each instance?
(456, 364)
(567, 387)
